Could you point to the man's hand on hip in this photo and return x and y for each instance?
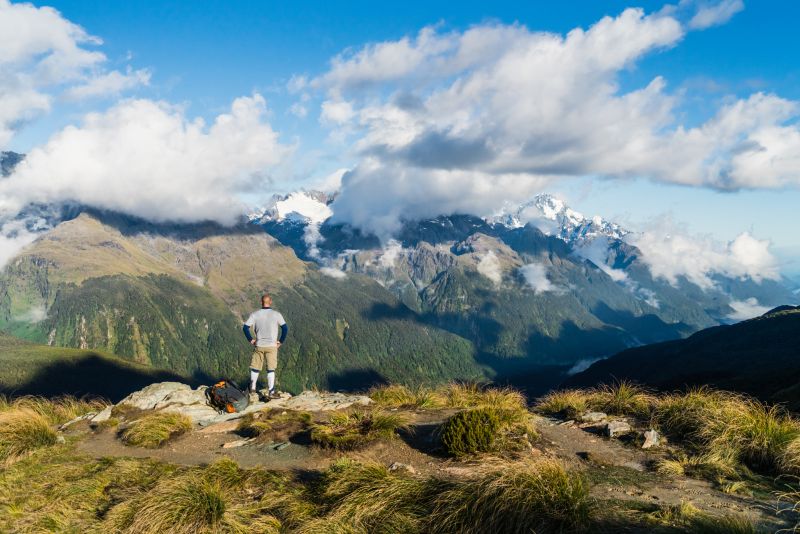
(253, 342)
(278, 344)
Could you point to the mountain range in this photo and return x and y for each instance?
(524, 295)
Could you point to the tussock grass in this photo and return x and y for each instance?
(58, 410)
(273, 423)
(688, 518)
(623, 398)
(399, 396)
(453, 395)
(23, 430)
(349, 430)
(620, 398)
(567, 403)
(515, 498)
(367, 497)
(155, 428)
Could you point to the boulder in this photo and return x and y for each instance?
(398, 466)
(102, 417)
(617, 428)
(651, 439)
(594, 417)
(150, 396)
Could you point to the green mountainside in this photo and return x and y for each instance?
(760, 356)
(176, 299)
(31, 369)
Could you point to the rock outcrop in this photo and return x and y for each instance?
(181, 398)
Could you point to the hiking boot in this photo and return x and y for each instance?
(254, 396)
(274, 395)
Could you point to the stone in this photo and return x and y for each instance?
(281, 446)
(148, 397)
(397, 466)
(617, 428)
(102, 417)
(61, 439)
(594, 417)
(220, 428)
(651, 439)
(237, 443)
(76, 420)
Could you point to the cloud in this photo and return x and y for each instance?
(670, 252)
(149, 159)
(746, 309)
(109, 84)
(536, 276)
(714, 13)
(391, 252)
(597, 251)
(43, 55)
(489, 266)
(464, 121)
(15, 235)
(333, 273)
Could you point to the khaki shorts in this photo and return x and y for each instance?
(262, 355)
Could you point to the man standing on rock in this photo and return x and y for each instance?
(265, 324)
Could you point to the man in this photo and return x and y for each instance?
(265, 324)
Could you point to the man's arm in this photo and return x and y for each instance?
(284, 331)
(246, 330)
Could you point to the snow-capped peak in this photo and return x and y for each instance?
(553, 217)
(300, 206)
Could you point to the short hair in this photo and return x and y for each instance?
(265, 298)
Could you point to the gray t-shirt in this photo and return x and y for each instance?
(265, 324)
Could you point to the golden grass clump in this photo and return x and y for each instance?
(349, 430)
(367, 497)
(58, 410)
(23, 430)
(623, 398)
(400, 396)
(567, 403)
(155, 428)
(514, 498)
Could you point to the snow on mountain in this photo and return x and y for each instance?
(553, 217)
(300, 206)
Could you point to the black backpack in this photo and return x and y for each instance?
(226, 396)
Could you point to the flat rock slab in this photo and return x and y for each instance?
(180, 398)
(220, 428)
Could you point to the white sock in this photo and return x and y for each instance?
(271, 380)
(253, 379)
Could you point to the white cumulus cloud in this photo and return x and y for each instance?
(535, 275)
(464, 121)
(671, 252)
(489, 266)
(746, 309)
(333, 273)
(149, 159)
(42, 56)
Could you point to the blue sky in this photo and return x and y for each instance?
(202, 55)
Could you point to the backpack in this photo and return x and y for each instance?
(226, 396)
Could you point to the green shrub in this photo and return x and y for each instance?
(471, 431)
(354, 429)
(155, 428)
(623, 398)
(23, 430)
